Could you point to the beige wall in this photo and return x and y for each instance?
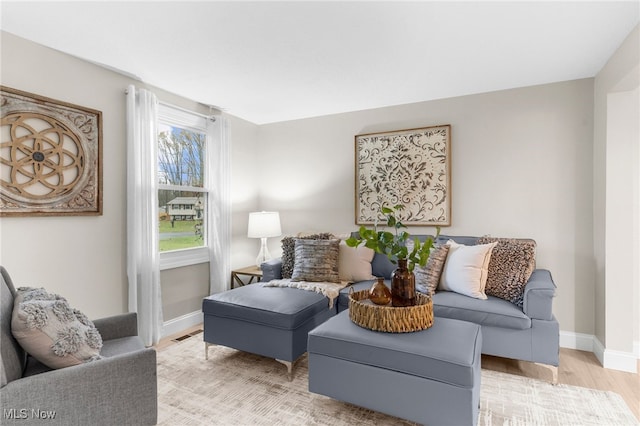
(615, 143)
(521, 167)
(524, 164)
(246, 170)
(84, 258)
(183, 289)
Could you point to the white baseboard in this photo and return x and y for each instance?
(614, 360)
(176, 325)
(579, 341)
(636, 349)
(618, 360)
(598, 350)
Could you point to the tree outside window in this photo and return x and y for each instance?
(182, 195)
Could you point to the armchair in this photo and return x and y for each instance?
(119, 389)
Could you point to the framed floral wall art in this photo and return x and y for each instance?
(408, 167)
(50, 157)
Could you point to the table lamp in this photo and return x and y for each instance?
(264, 225)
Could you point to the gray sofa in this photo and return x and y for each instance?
(528, 334)
(119, 389)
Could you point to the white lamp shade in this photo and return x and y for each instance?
(264, 225)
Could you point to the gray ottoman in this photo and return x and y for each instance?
(430, 377)
(269, 321)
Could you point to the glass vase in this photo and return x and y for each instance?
(380, 293)
(403, 285)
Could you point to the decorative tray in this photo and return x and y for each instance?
(389, 318)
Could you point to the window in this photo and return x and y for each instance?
(182, 193)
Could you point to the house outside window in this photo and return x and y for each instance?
(182, 194)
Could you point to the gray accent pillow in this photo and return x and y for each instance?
(288, 251)
(429, 276)
(51, 331)
(512, 263)
(316, 260)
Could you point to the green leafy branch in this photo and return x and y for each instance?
(394, 244)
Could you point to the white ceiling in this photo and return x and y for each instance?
(276, 61)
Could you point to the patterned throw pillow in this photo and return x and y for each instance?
(288, 251)
(512, 263)
(51, 331)
(429, 276)
(316, 260)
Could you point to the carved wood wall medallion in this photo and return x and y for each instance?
(50, 156)
(408, 167)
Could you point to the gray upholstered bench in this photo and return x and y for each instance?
(272, 321)
(430, 377)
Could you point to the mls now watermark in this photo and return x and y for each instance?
(28, 413)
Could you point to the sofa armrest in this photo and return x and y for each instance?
(538, 295)
(117, 326)
(116, 390)
(271, 270)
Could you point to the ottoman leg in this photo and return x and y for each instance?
(289, 366)
(206, 350)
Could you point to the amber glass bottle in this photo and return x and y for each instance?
(403, 285)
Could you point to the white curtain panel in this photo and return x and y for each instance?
(219, 211)
(143, 259)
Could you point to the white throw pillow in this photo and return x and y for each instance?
(466, 269)
(354, 263)
(51, 331)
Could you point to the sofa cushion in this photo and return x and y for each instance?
(51, 331)
(316, 261)
(381, 266)
(493, 311)
(512, 263)
(354, 263)
(448, 304)
(279, 307)
(465, 270)
(13, 358)
(288, 251)
(121, 345)
(460, 239)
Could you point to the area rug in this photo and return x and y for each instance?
(237, 388)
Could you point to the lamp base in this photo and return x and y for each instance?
(264, 254)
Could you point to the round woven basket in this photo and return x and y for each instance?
(389, 318)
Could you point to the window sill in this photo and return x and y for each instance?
(186, 257)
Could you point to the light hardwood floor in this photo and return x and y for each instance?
(577, 368)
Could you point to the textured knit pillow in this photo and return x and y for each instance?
(512, 263)
(288, 251)
(354, 263)
(52, 331)
(316, 260)
(429, 276)
(466, 269)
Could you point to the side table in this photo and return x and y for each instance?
(252, 272)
